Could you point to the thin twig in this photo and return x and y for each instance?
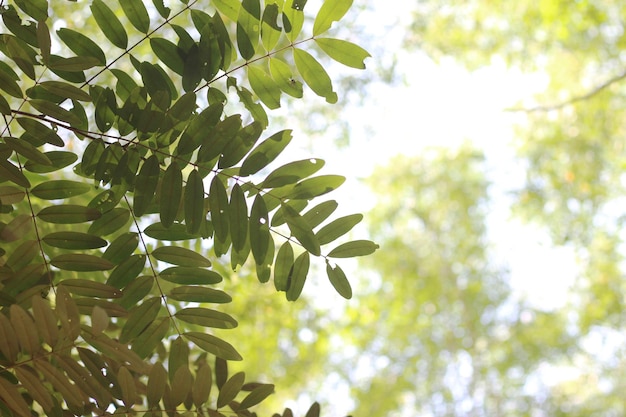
(598, 89)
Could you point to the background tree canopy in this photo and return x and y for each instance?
(137, 172)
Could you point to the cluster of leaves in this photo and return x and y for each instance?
(123, 189)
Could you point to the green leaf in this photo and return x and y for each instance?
(157, 381)
(11, 195)
(259, 229)
(136, 12)
(197, 130)
(248, 26)
(68, 214)
(55, 111)
(122, 247)
(354, 248)
(331, 11)
(9, 85)
(320, 212)
(170, 54)
(109, 24)
(240, 145)
(344, 52)
(315, 187)
(212, 344)
(282, 266)
(301, 230)
(37, 9)
(149, 339)
(265, 152)
(163, 11)
(238, 211)
(200, 392)
(230, 8)
(284, 79)
(139, 318)
(230, 389)
(293, 18)
(180, 256)
(13, 399)
(207, 318)
(81, 262)
(82, 45)
(145, 185)
(264, 87)
(292, 172)
(9, 172)
(270, 31)
(218, 205)
(314, 75)
(256, 110)
(126, 271)
(297, 276)
(42, 132)
(197, 294)
(190, 276)
(5, 107)
(338, 280)
(88, 288)
(72, 67)
(43, 39)
(65, 90)
(136, 291)
(171, 193)
(257, 395)
(194, 202)
(338, 228)
(19, 226)
(59, 189)
(27, 150)
(177, 231)
(74, 240)
(110, 222)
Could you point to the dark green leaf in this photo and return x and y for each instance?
(297, 276)
(136, 291)
(270, 31)
(19, 226)
(265, 153)
(43, 39)
(81, 262)
(314, 410)
(109, 24)
(171, 192)
(175, 232)
(198, 294)
(163, 11)
(230, 389)
(71, 68)
(82, 45)
(59, 189)
(194, 202)
(37, 9)
(9, 85)
(145, 185)
(259, 229)
(68, 214)
(238, 211)
(136, 12)
(207, 318)
(9, 172)
(110, 222)
(27, 150)
(314, 75)
(89, 288)
(55, 111)
(190, 276)
(315, 187)
(240, 145)
(168, 53)
(212, 344)
(149, 339)
(74, 240)
(354, 248)
(139, 318)
(180, 256)
(122, 247)
(218, 205)
(65, 90)
(301, 230)
(127, 271)
(319, 213)
(257, 395)
(41, 131)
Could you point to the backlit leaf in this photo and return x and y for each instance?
(127, 271)
(292, 172)
(331, 11)
(27, 150)
(177, 231)
(282, 267)
(259, 229)
(10, 194)
(145, 185)
(149, 339)
(270, 30)
(157, 380)
(88, 288)
(284, 79)
(338, 279)
(344, 52)
(190, 276)
(314, 75)
(40, 131)
(110, 222)
(317, 186)
(265, 152)
(9, 172)
(297, 276)
(320, 212)
(55, 111)
(338, 228)
(31, 381)
(122, 247)
(207, 318)
(264, 87)
(59, 159)
(218, 205)
(201, 390)
(13, 399)
(354, 248)
(238, 211)
(139, 318)
(9, 85)
(126, 384)
(81, 45)
(37, 9)
(301, 230)
(257, 395)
